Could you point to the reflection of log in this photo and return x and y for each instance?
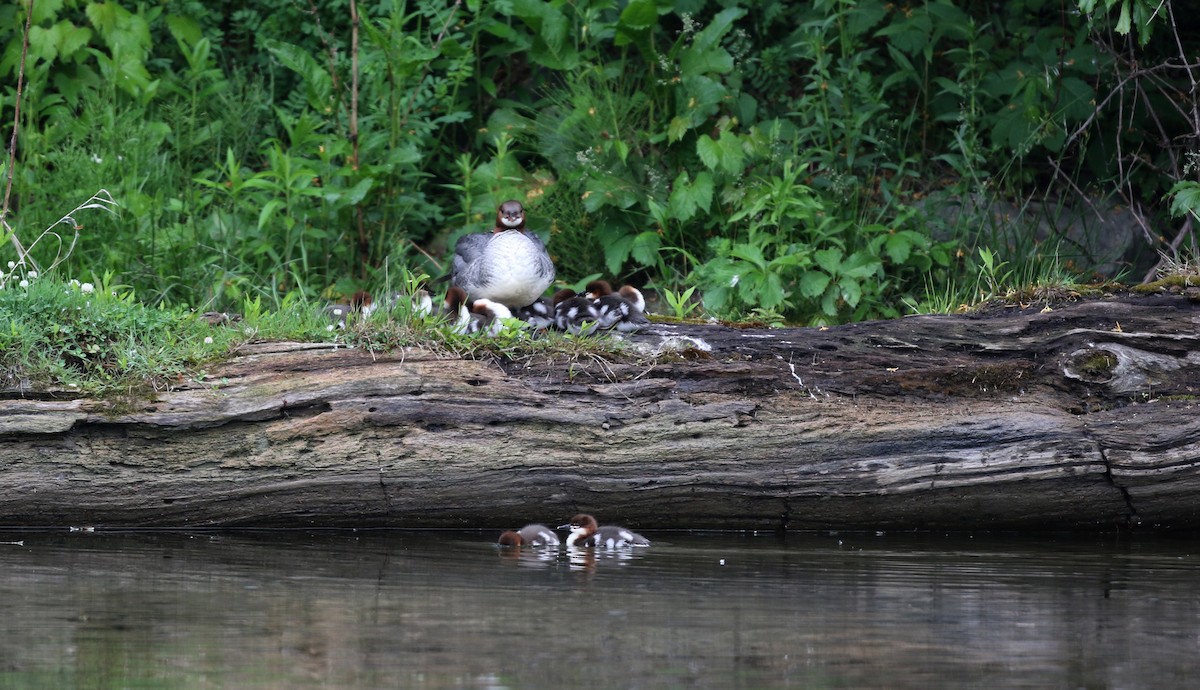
(1080, 416)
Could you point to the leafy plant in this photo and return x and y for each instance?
(681, 303)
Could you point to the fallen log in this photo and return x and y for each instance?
(1080, 416)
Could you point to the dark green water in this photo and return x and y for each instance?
(449, 610)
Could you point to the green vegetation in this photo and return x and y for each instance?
(810, 164)
(99, 339)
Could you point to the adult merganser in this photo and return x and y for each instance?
(585, 532)
(574, 313)
(508, 265)
(533, 535)
(617, 310)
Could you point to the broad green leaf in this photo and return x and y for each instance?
(616, 252)
(690, 197)
(678, 129)
(711, 35)
(851, 291)
(829, 259)
(813, 284)
(45, 10)
(898, 248)
(750, 253)
(695, 62)
(772, 294)
(73, 39)
(639, 14)
(709, 152)
(185, 29)
(1185, 198)
(644, 249)
(733, 159)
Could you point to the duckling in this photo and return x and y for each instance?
(586, 532)
(539, 314)
(488, 317)
(635, 297)
(454, 307)
(422, 303)
(533, 535)
(574, 313)
(617, 310)
(509, 265)
(360, 303)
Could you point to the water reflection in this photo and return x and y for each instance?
(451, 610)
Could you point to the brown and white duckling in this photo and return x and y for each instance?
(360, 304)
(509, 265)
(482, 315)
(488, 317)
(574, 313)
(586, 532)
(532, 535)
(617, 310)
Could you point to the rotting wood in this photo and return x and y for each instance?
(1079, 417)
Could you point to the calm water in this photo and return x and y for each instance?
(449, 610)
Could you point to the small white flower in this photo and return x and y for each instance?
(24, 283)
(97, 159)
(208, 340)
(337, 312)
(87, 288)
(12, 264)
(32, 275)
(74, 283)
(248, 330)
(329, 328)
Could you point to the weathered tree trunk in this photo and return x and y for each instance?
(1084, 416)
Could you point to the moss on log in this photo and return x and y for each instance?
(1083, 416)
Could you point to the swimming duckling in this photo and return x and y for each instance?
(508, 265)
(586, 532)
(533, 535)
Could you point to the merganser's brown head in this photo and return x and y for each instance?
(510, 538)
(583, 524)
(634, 296)
(598, 288)
(490, 309)
(563, 295)
(510, 216)
(456, 297)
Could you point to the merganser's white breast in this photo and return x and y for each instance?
(514, 269)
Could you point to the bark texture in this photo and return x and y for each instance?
(1080, 416)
